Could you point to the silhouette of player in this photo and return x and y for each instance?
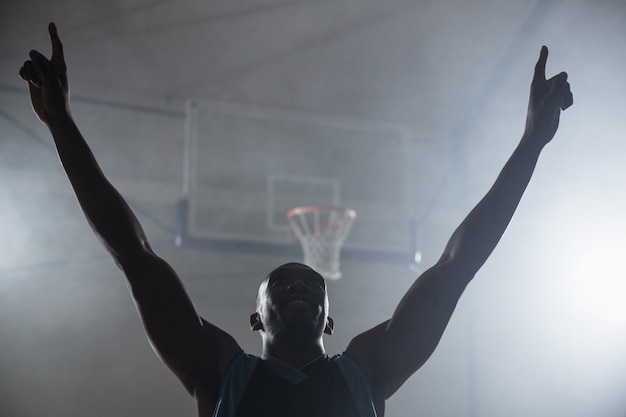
(294, 376)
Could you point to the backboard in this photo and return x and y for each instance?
(246, 167)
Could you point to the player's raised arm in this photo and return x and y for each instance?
(194, 350)
(393, 351)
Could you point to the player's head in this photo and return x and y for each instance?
(292, 302)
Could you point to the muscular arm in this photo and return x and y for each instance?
(195, 350)
(394, 351)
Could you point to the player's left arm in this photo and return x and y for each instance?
(394, 350)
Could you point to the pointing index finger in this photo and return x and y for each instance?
(57, 46)
(540, 68)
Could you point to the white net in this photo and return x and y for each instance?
(321, 232)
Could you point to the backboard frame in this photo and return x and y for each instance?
(279, 239)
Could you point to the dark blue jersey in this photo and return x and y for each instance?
(266, 387)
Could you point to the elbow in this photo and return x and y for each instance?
(460, 267)
(463, 258)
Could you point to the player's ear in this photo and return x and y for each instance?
(255, 322)
(330, 326)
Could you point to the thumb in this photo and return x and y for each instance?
(557, 89)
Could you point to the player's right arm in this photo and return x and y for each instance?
(195, 350)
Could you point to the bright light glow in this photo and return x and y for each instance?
(600, 275)
(418, 257)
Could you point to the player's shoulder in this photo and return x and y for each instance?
(363, 348)
(222, 344)
(366, 342)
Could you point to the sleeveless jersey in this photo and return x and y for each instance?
(266, 387)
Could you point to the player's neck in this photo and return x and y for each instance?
(296, 356)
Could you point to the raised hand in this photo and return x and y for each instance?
(47, 81)
(547, 99)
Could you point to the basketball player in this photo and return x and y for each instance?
(294, 376)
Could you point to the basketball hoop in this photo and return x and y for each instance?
(321, 231)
